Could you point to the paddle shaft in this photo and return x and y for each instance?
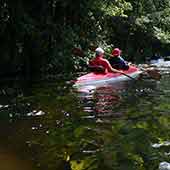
(151, 72)
(118, 70)
(129, 76)
(79, 52)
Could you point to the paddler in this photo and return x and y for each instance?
(100, 62)
(117, 61)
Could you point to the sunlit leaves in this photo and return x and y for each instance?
(143, 20)
(154, 18)
(163, 36)
(116, 8)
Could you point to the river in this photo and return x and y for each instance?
(50, 126)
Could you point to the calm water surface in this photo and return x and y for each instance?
(50, 126)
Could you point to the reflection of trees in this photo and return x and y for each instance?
(125, 143)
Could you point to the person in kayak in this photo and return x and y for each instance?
(101, 63)
(117, 61)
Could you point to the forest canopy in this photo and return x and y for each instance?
(38, 36)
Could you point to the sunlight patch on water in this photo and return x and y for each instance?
(164, 166)
(4, 106)
(158, 145)
(36, 113)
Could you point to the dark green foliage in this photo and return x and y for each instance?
(38, 36)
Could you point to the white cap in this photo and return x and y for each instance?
(99, 51)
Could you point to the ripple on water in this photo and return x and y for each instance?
(158, 145)
(164, 166)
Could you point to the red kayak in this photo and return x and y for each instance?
(96, 79)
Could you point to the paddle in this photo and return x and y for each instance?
(128, 76)
(121, 72)
(153, 73)
(79, 52)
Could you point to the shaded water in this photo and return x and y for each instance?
(117, 127)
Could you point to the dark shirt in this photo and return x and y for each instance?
(118, 63)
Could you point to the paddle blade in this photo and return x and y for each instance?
(155, 74)
(78, 52)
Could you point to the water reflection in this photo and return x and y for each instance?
(9, 160)
(101, 102)
(110, 127)
(106, 99)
